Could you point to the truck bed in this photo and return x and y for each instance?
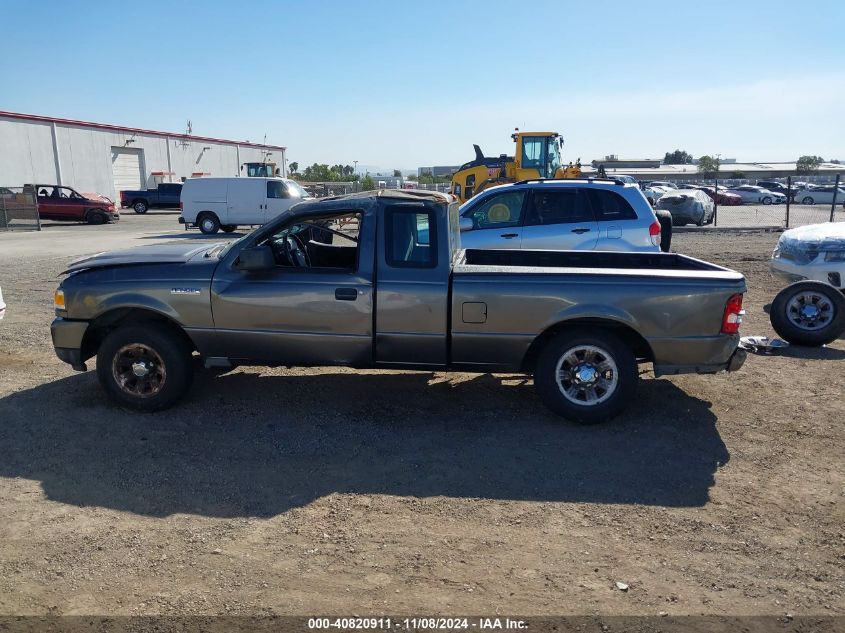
(501, 299)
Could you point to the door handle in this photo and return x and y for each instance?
(580, 230)
(346, 294)
(509, 236)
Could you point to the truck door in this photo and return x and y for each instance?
(278, 199)
(246, 200)
(559, 219)
(413, 264)
(317, 312)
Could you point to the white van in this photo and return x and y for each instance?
(227, 203)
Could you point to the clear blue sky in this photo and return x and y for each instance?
(399, 84)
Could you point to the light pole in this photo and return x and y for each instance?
(355, 162)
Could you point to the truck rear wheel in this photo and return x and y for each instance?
(208, 223)
(139, 206)
(809, 313)
(586, 375)
(144, 367)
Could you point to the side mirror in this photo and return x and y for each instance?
(255, 259)
(466, 224)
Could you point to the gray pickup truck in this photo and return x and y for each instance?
(391, 288)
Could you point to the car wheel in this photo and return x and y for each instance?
(586, 375)
(140, 207)
(808, 200)
(96, 217)
(809, 313)
(144, 367)
(208, 223)
(228, 228)
(767, 200)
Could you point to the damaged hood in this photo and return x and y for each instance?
(156, 254)
(803, 244)
(829, 233)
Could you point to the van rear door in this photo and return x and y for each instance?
(246, 201)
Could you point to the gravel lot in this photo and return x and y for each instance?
(273, 491)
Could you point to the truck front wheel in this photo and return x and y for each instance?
(586, 375)
(144, 367)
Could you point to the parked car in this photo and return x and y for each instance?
(688, 206)
(663, 183)
(757, 195)
(398, 293)
(165, 196)
(771, 185)
(628, 180)
(56, 202)
(212, 204)
(723, 196)
(821, 195)
(812, 311)
(654, 192)
(561, 215)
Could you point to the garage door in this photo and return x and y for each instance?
(126, 169)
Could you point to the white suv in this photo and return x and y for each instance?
(600, 215)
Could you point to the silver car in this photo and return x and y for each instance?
(753, 194)
(821, 195)
(561, 215)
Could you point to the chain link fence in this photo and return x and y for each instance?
(19, 209)
(811, 199)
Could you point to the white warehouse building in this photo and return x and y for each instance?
(107, 159)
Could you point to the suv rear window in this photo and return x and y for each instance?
(610, 206)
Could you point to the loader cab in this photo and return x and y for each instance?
(537, 155)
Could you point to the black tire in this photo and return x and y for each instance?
(139, 206)
(228, 228)
(665, 219)
(173, 359)
(788, 320)
(611, 347)
(96, 217)
(208, 223)
(807, 200)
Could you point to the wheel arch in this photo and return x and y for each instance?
(633, 339)
(113, 318)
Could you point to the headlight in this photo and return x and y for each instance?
(776, 252)
(59, 299)
(834, 256)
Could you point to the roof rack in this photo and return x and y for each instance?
(615, 181)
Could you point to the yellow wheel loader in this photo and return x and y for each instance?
(537, 155)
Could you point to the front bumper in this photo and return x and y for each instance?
(67, 341)
(831, 273)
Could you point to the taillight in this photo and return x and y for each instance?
(732, 318)
(654, 233)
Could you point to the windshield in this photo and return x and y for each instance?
(296, 190)
(553, 161)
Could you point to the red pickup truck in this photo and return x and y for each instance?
(64, 203)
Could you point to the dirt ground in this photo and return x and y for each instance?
(273, 491)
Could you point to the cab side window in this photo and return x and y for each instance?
(559, 206)
(411, 238)
(276, 189)
(609, 206)
(499, 211)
